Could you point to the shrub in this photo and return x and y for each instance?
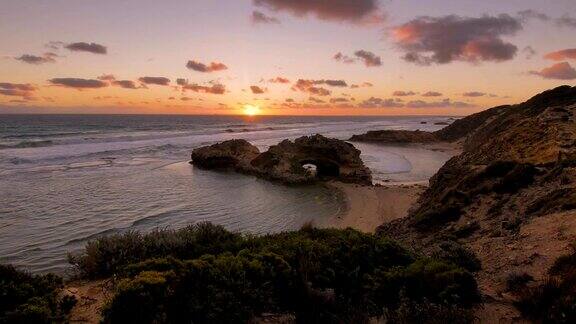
(319, 275)
(553, 301)
(517, 281)
(430, 219)
(26, 298)
(454, 252)
(108, 255)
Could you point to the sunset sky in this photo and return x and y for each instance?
(288, 57)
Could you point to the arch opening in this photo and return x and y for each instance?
(321, 168)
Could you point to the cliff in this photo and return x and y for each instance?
(510, 196)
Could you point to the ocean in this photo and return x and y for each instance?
(66, 179)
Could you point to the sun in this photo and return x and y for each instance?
(251, 110)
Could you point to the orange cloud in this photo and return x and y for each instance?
(279, 80)
(558, 71)
(257, 90)
(567, 54)
(25, 91)
(212, 89)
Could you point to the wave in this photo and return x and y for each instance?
(26, 144)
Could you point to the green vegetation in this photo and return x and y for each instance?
(204, 273)
(26, 298)
(553, 301)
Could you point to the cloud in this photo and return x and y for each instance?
(529, 14)
(107, 77)
(316, 100)
(155, 80)
(426, 40)
(403, 93)
(473, 94)
(260, 18)
(446, 103)
(25, 91)
(558, 71)
(397, 103)
(77, 83)
(311, 86)
(126, 84)
(48, 57)
(374, 102)
(529, 52)
(566, 21)
(201, 67)
(339, 100)
(370, 59)
(332, 83)
(343, 58)
(212, 89)
(87, 47)
(279, 80)
(432, 94)
(567, 54)
(54, 45)
(257, 90)
(356, 11)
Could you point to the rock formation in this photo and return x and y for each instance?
(334, 160)
(235, 154)
(396, 137)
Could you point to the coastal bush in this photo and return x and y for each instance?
(454, 252)
(107, 255)
(318, 275)
(553, 301)
(26, 298)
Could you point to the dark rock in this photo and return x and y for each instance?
(396, 137)
(233, 154)
(334, 160)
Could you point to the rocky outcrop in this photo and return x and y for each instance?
(396, 137)
(234, 154)
(518, 166)
(334, 160)
(459, 130)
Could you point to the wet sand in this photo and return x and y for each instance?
(368, 207)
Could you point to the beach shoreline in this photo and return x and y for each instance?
(367, 207)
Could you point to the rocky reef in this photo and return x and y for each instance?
(333, 160)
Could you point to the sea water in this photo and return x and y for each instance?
(66, 179)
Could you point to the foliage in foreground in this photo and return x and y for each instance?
(26, 298)
(204, 273)
(553, 301)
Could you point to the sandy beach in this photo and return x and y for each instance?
(368, 207)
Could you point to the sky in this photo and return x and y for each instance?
(281, 57)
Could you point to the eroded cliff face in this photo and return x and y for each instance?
(334, 160)
(510, 196)
(518, 164)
